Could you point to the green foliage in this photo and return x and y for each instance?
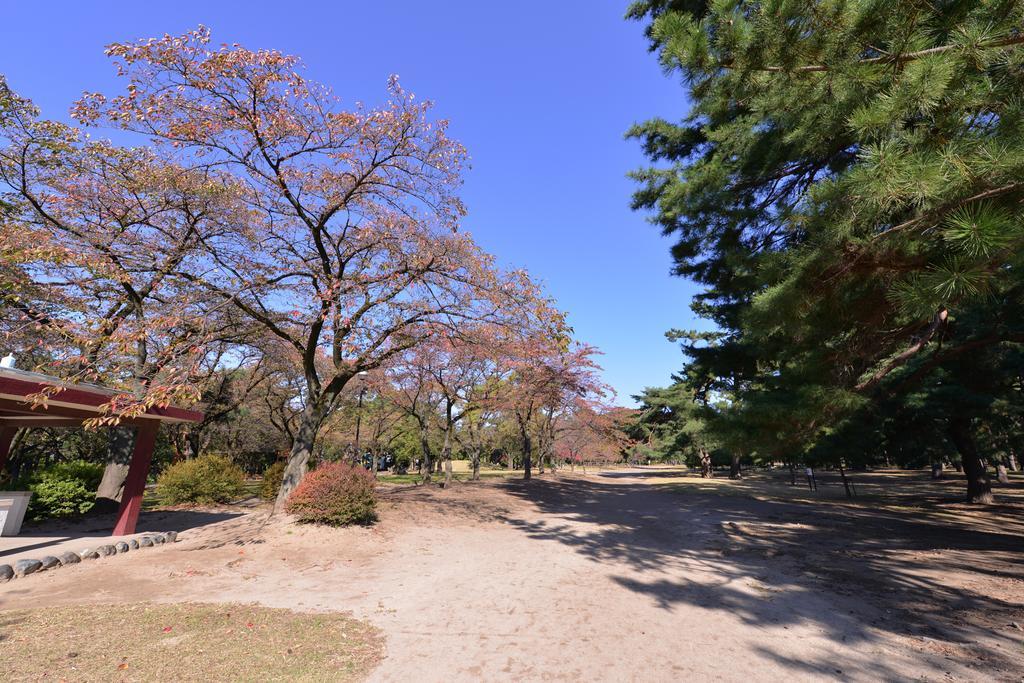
(335, 493)
(272, 478)
(66, 489)
(89, 473)
(403, 461)
(204, 480)
(846, 190)
(55, 497)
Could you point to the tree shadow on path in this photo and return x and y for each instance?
(855, 573)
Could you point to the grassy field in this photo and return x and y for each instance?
(413, 477)
(184, 642)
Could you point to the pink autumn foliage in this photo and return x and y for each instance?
(336, 494)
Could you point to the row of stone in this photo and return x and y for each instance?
(26, 567)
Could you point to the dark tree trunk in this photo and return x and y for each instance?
(1011, 461)
(527, 451)
(446, 452)
(937, 469)
(121, 442)
(792, 474)
(979, 488)
(428, 464)
(734, 467)
(706, 470)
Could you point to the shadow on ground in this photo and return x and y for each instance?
(40, 536)
(856, 572)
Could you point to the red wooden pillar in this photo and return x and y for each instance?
(135, 482)
(6, 437)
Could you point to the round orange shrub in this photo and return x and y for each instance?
(335, 493)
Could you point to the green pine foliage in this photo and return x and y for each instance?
(846, 187)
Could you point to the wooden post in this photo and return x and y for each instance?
(135, 482)
(6, 437)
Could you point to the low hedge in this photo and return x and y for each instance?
(65, 489)
(336, 493)
(203, 480)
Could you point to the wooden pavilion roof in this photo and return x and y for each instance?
(70, 405)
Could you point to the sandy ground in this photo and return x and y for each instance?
(607, 577)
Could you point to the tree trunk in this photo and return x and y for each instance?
(298, 458)
(1011, 460)
(706, 470)
(121, 442)
(792, 473)
(527, 451)
(734, 467)
(475, 463)
(979, 489)
(447, 455)
(937, 469)
(1001, 476)
(374, 460)
(447, 448)
(428, 464)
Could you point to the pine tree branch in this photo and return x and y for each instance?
(884, 59)
(939, 358)
(987, 194)
(937, 322)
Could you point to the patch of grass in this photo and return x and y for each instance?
(413, 478)
(184, 642)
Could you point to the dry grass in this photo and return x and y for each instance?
(184, 642)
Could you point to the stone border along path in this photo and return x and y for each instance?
(26, 566)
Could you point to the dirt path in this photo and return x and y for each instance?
(606, 578)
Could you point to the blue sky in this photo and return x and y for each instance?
(539, 92)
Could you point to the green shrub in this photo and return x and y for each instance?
(56, 497)
(65, 489)
(204, 480)
(272, 480)
(89, 473)
(335, 493)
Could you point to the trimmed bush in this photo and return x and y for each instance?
(272, 479)
(203, 480)
(335, 493)
(56, 497)
(65, 489)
